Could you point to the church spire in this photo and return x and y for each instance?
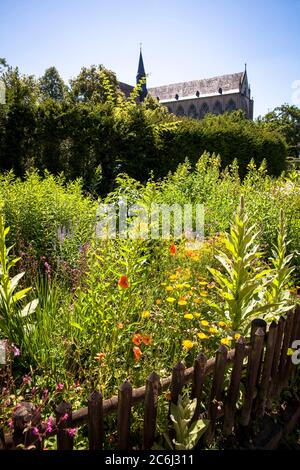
(141, 74)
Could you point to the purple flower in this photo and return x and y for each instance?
(59, 387)
(64, 417)
(72, 432)
(35, 431)
(16, 351)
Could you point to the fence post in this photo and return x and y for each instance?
(124, 414)
(267, 368)
(284, 349)
(252, 374)
(177, 382)
(63, 422)
(198, 382)
(26, 415)
(274, 372)
(294, 336)
(150, 409)
(234, 387)
(95, 420)
(216, 393)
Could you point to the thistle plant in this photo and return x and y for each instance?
(187, 432)
(12, 312)
(240, 289)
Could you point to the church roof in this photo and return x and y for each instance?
(207, 86)
(125, 88)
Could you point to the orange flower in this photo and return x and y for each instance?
(120, 325)
(100, 356)
(137, 339)
(123, 282)
(189, 253)
(173, 249)
(146, 340)
(137, 353)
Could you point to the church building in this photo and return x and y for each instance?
(196, 98)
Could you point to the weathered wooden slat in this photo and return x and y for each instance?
(177, 382)
(150, 410)
(252, 375)
(26, 415)
(198, 382)
(267, 368)
(216, 393)
(290, 368)
(63, 414)
(234, 387)
(95, 420)
(124, 415)
(283, 355)
(278, 345)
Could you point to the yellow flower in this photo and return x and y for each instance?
(204, 323)
(179, 286)
(182, 302)
(169, 288)
(203, 283)
(222, 324)
(204, 293)
(197, 301)
(158, 302)
(211, 285)
(226, 341)
(195, 258)
(173, 277)
(163, 284)
(145, 314)
(197, 315)
(188, 286)
(237, 336)
(190, 292)
(189, 316)
(213, 330)
(187, 344)
(290, 352)
(202, 335)
(170, 299)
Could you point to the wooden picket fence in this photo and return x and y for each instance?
(261, 364)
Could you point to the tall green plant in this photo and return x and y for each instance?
(241, 287)
(12, 313)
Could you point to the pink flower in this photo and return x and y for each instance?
(33, 390)
(26, 379)
(45, 394)
(64, 417)
(10, 424)
(35, 431)
(72, 432)
(59, 387)
(49, 427)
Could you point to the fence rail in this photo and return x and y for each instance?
(265, 374)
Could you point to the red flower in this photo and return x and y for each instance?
(123, 282)
(173, 249)
(137, 339)
(146, 340)
(137, 353)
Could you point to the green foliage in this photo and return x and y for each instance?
(187, 432)
(52, 86)
(13, 313)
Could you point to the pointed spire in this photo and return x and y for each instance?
(141, 74)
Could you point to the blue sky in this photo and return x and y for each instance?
(182, 40)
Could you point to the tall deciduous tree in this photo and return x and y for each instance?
(89, 84)
(52, 85)
(286, 119)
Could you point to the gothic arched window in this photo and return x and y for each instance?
(204, 110)
(192, 112)
(217, 109)
(180, 111)
(231, 106)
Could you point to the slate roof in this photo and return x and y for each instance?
(125, 88)
(208, 86)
